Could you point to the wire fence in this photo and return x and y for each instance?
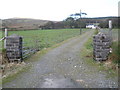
(114, 33)
(29, 48)
(36, 40)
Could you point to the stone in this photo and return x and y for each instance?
(14, 47)
(101, 46)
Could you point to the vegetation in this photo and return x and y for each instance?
(45, 38)
(110, 65)
(115, 52)
(23, 23)
(100, 21)
(69, 22)
(115, 55)
(87, 52)
(14, 70)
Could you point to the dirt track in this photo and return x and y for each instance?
(62, 67)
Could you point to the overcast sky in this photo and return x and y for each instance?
(56, 10)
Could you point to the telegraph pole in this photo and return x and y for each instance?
(79, 14)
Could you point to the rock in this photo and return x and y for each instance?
(75, 66)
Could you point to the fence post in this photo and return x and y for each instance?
(6, 34)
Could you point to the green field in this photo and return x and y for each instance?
(45, 38)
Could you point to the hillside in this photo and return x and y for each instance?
(30, 24)
(23, 23)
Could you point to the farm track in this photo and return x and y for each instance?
(62, 67)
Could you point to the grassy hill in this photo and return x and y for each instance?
(23, 23)
(32, 24)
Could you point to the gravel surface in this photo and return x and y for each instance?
(62, 67)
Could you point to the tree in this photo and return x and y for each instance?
(49, 25)
(79, 14)
(69, 22)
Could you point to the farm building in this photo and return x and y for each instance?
(91, 26)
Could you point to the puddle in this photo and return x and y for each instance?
(58, 81)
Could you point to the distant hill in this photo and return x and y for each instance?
(23, 23)
(31, 24)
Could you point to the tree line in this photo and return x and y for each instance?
(71, 22)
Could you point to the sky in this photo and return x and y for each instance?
(56, 10)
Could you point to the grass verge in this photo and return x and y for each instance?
(107, 66)
(114, 57)
(12, 75)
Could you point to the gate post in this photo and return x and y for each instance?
(14, 47)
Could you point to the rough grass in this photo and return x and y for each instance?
(115, 53)
(45, 38)
(18, 68)
(87, 53)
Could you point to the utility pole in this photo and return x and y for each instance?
(79, 14)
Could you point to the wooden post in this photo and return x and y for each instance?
(6, 34)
